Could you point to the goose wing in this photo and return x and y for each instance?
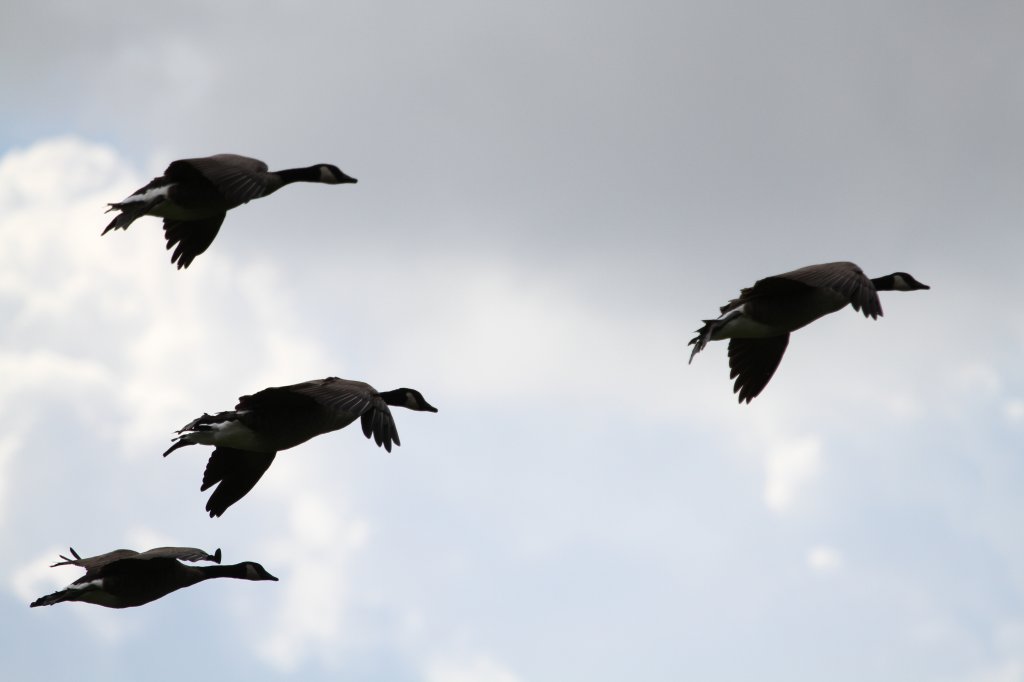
(236, 472)
(347, 400)
(191, 237)
(843, 277)
(291, 413)
(239, 179)
(319, 406)
(97, 562)
(180, 553)
(752, 362)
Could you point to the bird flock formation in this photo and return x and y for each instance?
(193, 197)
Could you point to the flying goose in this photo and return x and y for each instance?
(248, 438)
(758, 323)
(124, 578)
(193, 195)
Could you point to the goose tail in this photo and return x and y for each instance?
(703, 336)
(54, 598)
(129, 212)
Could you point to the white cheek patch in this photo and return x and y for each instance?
(326, 175)
(900, 284)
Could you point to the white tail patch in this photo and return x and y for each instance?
(149, 195)
(230, 434)
(91, 585)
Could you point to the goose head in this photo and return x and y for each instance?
(332, 175)
(408, 398)
(253, 571)
(900, 281)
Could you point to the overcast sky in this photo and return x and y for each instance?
(551, 197)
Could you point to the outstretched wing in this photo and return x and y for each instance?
(93, 563)
(236, 472)
(322, 405)
(347, 400)
(180, 553)
(753, 362)
(190, 237)
(842, 277)
(239, 179)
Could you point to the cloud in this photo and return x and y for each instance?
(120, 322)
(476, 668)
(789, 467)
(978, 377)
(824, 559)
(537, 243)
(1007, 661)
(10, 444)
(123, 348)
(309, 613)
(1013, 410)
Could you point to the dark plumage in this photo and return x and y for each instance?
(248, 438)
(193, 196)
(759, 322)
(125, 578)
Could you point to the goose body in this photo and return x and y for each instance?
(759, 322)
(125, 578)
(193, 196)
(247, 439)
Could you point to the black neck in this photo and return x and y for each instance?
(229, 571)
(395, 397)
(290, 175)
(887, 283)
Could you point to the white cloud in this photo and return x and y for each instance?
(139, 337)
(824, 559)
(498, 332)
(35, 577)
(1009, 666)
(979, 377)
(313, 552)
(1013, 410)
(124, 346)
(789, 467)
(1005, 671)
(10, 444)
(476, 668)
(1008, 644)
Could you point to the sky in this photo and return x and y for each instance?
(551, 198)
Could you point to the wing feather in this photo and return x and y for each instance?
(192, 237)
(236, 472)
(752, 362)
(843, 277)
(239, 179)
